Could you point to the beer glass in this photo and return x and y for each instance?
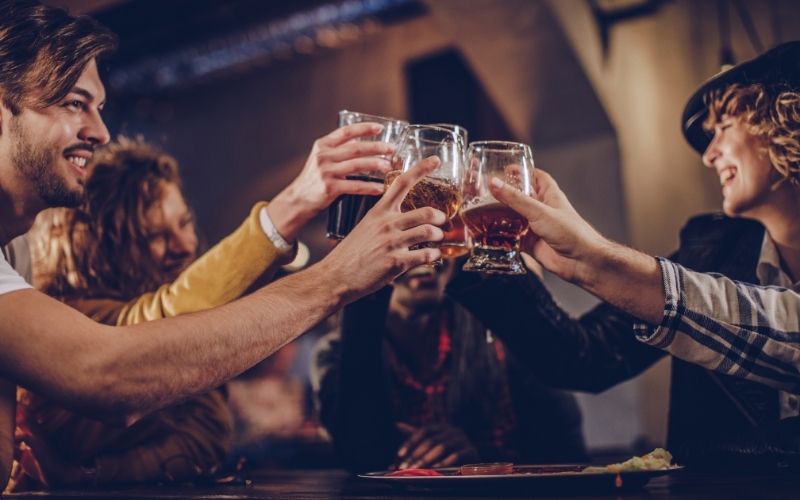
(456, 240)
(347, 210)
(441, 189)
(495, 228)
(458, 129)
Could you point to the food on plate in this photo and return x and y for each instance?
(413, 472)
(658, 459)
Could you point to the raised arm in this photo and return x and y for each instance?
(60, 354)
(220, 275)
(736, 328)
(591, 353)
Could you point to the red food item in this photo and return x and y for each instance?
(414, 472)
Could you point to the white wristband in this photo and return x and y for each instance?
(275, 237)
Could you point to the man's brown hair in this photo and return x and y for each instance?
(102, 249)
(43, 51)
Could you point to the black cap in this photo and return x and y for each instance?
(778, 68)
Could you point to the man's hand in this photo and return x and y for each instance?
(434, 446)
(562, 240)
(324, 176)
(377, 250)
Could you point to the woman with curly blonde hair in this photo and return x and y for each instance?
(734, 381)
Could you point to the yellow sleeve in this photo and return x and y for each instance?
(219, 276)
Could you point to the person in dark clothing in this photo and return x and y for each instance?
(726, 406)
(413, 380)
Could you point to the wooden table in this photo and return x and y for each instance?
(337, 484)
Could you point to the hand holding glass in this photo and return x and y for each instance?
(349, 209)
(495, 228)
(441, 189)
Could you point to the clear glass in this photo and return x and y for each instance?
(347, 210)
(456, 241)
(441, 189)
(495, 228)
(458, 129)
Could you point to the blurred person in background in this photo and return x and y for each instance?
(735, 375)
(413, 380)
(128, 254)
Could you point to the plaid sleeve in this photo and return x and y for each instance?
(662, 335)
(735, 328)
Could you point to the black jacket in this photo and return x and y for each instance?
(356, 410)
(712, 417)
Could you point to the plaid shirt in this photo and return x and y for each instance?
(735, 328)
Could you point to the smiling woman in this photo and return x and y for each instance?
(772, 119)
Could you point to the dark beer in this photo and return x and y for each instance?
(495, 225)
(440, 194)
(349, 209)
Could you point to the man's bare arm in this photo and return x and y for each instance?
(59, 353)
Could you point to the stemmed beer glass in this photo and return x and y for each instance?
(456, 237)
(441, 189)
(495, 228)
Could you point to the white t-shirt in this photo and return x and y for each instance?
(10, 280)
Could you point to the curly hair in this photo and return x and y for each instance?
(101, 249)
(44, 50)
(772, 113)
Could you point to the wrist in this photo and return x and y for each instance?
(323, 277)
(289, 213)
(328, 275)
(594, 262)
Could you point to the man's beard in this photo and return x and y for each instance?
(39, 166)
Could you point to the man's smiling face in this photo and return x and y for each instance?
(51, 146)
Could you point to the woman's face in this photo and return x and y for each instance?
(741, 161)
(170, 231)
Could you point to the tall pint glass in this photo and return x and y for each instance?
(347, 210)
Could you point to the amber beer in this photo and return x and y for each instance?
(440, 194)
(349, 209)
(495, 225)
(454, 244)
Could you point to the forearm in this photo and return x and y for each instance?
(625, 278)
(220, 275)
(150, 365)
(736, 328)
(7, 420)
(592, 353)
(190, 357)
